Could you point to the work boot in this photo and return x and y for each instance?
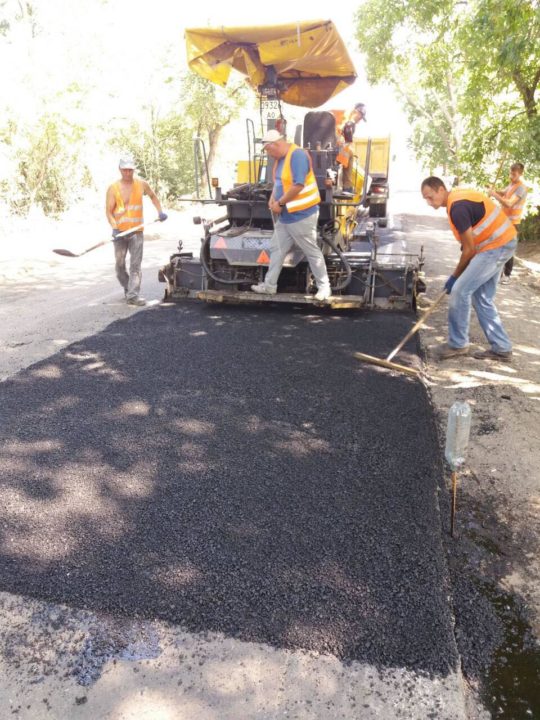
(446, 351)
(490, 354)
(137, 301)
(263, 289)
(323, 294)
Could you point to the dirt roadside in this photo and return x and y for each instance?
(494, 558)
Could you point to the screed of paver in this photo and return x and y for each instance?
(235, 472)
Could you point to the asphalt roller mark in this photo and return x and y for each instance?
(236, 471)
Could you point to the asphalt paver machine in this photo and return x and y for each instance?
(303, 64)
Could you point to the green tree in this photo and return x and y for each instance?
(45, 165)
(210, 108)
(163, 152)
(14, 13)
(468, 76)
(163, 146)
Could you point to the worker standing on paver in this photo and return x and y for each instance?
(294, 203)
(512, 200)
(488, 240)
(345, 136)
(124, 210)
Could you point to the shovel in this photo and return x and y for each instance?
(68, 253)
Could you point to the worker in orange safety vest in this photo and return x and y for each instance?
(345, 136)
(512, 200)
(124, 210)
(294, 205)
(488, 239)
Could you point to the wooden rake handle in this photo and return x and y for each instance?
(503, 160)
(416, 326)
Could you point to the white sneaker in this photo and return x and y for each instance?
(263, 289)
(505, 279)
(137, 301)
(323, 294)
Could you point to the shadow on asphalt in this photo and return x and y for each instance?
(236, 471)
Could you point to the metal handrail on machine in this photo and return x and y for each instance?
(199, 146)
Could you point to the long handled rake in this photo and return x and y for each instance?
(503, 160)
(387, 362)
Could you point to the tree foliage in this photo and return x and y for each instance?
(164, 146)
(163, 152)
(468, 75)
(72, 94)
(210, 108)
(44, 165)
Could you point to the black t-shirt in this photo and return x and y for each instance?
(466, 214)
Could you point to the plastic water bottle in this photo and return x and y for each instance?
(457, 434)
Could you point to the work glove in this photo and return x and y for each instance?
(162, 216)
(449, 284)
(115, 232)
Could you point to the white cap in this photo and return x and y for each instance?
(271, 136)
(127, 163)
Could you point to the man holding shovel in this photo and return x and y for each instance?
(124, 210)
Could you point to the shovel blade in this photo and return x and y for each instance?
(66, 253)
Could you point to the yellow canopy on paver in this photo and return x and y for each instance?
(308, 60)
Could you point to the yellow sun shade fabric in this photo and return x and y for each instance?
(308, 59)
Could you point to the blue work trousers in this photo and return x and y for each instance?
(477, 286)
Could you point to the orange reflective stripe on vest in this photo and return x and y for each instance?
(515, 212)
(493, 230)
(130, 215)
(309, 195)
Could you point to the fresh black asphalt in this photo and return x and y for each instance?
(233, 470)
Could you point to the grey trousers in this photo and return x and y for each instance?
(304, 234)
(131, 282)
